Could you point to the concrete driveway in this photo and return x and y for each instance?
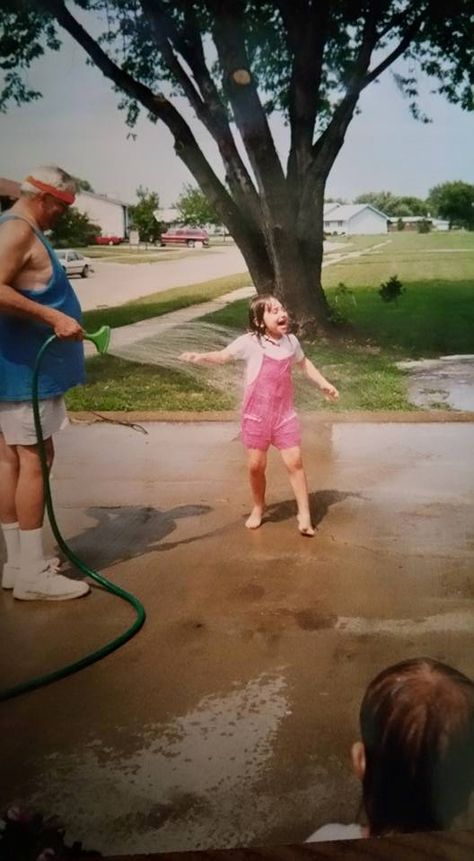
(228, 719)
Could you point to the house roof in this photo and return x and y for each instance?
(9, 188)
(115, 200)
(328, 207)
(346, 211)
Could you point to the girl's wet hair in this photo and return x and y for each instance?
(417, 725)
(257, 309)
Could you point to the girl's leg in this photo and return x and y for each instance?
(257, 462)
(294, 464)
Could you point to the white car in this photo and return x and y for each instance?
(74, 263)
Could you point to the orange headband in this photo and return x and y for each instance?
(65, 196)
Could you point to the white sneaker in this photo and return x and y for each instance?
(11, 572)
(46, 584)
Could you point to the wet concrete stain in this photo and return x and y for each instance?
(229, 719)
(445, 382)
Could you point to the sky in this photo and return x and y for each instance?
(78, 126)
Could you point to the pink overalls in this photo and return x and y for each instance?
(268, 414)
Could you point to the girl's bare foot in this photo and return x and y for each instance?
(305, 526)
(254, 520)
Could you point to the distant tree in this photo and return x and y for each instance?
(74, 229)
(194, 207)
(381, 200)
(454, 201)
(400, 224)
(83, 184)
(142, 217)
(392, 205)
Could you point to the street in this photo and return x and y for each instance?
(115, 283)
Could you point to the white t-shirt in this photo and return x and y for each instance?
(252, 348)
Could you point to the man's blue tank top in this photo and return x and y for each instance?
(62, 366)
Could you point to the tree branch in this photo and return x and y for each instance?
(247, 108)
(405, 42)
(208, 106)
(307, 29)
(186, 146)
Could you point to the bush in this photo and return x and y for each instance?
(391, 289)
(424, 226)
(74, 230)
(400, 224)
(343, 298)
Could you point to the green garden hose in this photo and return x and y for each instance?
(101, 340)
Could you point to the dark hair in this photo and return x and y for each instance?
(257, 309)
(417, 725)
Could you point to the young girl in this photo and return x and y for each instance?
(268, 415)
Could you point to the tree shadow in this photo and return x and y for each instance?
(126, 532)
(320, 502)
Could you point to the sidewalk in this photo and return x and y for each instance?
(126, 336)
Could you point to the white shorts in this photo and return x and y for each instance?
(17, 423)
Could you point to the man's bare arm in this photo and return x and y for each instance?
(15, 253)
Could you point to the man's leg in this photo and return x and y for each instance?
(38, 578)
(9, 469)
(257, 463)
(294, 464)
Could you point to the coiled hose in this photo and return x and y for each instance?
(101, 340)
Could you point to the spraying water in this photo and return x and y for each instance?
(165, 346)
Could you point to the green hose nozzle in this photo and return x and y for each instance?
(101, 338)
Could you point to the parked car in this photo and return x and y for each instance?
(109, 240)
(74, 263)
(193, 237)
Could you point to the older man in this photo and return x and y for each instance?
(36, 299)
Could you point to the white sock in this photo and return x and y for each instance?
(11, 535)
(31, 546)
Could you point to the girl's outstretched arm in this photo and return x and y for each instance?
(216, 357)
(327, 389)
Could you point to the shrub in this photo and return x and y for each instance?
(343, 297)
(424, 226)
(391, 289)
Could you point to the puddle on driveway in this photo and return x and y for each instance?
(448, 381)
(153, 798)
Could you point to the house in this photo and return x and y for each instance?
(412, 222)
(111, 215)
(354, 218)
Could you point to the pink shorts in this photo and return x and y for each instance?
(261, 433)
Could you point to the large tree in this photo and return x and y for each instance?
(237, 61)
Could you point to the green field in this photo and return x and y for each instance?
(434, 316)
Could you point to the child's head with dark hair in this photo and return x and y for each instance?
(417, 725)
(257, 308)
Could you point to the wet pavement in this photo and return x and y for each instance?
(447, 382)
(228, 719)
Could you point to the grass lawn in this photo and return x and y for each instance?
(156, 304)
(434, 316)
